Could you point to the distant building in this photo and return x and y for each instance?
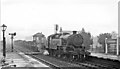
(37, 37)
(95, 42)
(40, 41)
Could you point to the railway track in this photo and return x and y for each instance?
(111, 64)
(99, 66)
(82, 65)
(89, 64)
(57, 64)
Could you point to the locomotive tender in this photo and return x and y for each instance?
(66, 45)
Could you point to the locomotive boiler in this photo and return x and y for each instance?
(67, 45)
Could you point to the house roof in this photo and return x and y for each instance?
(38, 35)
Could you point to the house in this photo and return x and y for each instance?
(40, 41)
(37, 37)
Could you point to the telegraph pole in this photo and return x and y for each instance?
(106, 46)
(12, 35)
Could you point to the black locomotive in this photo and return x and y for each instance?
(66, 45)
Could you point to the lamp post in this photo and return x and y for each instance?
(12, 34)
(4, 27)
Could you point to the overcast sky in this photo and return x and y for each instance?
(27, 17)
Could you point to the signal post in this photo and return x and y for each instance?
(12, 34)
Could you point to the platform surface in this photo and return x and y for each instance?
(20, 60)
(107, 56)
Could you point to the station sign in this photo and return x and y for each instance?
(111, 41)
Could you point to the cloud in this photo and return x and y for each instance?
(27, 17)
(10, 2)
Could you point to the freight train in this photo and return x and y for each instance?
(67, 45)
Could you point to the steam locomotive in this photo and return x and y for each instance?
(64, 45)
(67, 45)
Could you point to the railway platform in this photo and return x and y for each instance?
(19, 59)
(106, 56)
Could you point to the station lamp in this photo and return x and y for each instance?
(4, 27)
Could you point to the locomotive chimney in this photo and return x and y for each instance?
(74, 32)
